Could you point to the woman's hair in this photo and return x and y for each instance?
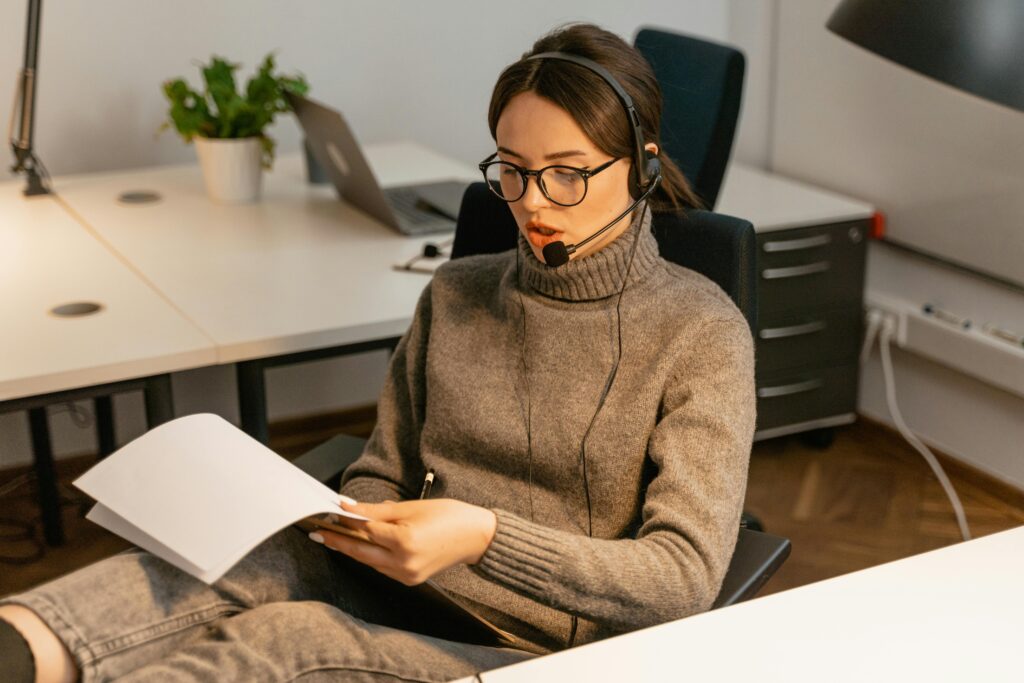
(592, 102)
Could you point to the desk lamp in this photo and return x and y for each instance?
(25, 160)
(972, 45)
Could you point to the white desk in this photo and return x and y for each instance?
(294, 277)
(47, 259)
(298, 270)
(772, 202)
(955, 614)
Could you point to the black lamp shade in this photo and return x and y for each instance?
(974, 45)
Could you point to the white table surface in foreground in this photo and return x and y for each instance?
(297, 270)
(48, 259)
(955, 614)
(774, 202)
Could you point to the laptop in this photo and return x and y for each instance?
(412, 209)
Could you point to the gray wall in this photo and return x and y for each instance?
(418, 70)
(399, 70)
(948, 171)
(752, 28)
(947, 167)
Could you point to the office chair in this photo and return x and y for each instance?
(702, 87)
(720, 247)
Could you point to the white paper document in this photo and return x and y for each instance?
(200, 493)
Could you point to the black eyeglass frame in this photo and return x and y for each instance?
(526, 173)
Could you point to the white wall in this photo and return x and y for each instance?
(948, 171)
(421, 71)
(977, 422)
(752, 28)
(947, 167)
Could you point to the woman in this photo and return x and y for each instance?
(587, 426)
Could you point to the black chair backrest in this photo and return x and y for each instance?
(702, 86)
(720, 247)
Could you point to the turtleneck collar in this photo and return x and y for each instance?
(596, 275)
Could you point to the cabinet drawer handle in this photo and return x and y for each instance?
(798, 244)
(795, 271)
(789, 389)
(792, 330)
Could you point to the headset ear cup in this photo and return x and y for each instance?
(652, 169)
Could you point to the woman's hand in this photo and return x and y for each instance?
(413, 540)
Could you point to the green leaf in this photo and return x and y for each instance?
(188, 112)
(220, 111)
(267, 144)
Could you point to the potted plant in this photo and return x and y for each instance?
(228, 126)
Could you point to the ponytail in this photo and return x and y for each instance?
(675, 192)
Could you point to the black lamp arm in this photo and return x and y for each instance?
(25, 160)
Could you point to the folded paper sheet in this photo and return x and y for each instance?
(200, 493)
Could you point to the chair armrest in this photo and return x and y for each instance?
(326, 462)
(758, 555)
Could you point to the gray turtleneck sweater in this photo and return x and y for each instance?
(494, 386)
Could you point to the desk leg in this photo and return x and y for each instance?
(106, 441)
(46, 477)
(159, 400)
(252, 400)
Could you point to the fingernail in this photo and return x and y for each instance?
(314, 536)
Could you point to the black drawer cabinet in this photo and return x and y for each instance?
(812, 336)
(797, 400)
(810, 294)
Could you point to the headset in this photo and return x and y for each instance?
(644, 176)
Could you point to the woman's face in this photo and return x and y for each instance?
(534, 132)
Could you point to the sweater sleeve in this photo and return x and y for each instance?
(700, 449)
(390, 469)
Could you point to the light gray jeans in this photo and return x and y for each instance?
(291, 610)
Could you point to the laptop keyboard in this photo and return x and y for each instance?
(406, 203)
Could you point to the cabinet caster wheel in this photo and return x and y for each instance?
(819, 439)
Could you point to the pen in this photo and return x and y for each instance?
(428, 481)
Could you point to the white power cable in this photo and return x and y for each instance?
(884, 342)
(875, 320)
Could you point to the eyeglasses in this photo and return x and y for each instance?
(563, 185)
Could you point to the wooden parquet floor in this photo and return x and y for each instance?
(867, 499)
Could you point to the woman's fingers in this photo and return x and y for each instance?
(377, 557)
(380, 529)
(385, 534)
(363, 551)
(382, 512)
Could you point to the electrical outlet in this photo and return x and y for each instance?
(894, 310)
(966, 350)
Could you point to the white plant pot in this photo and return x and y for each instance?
(232, 168)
